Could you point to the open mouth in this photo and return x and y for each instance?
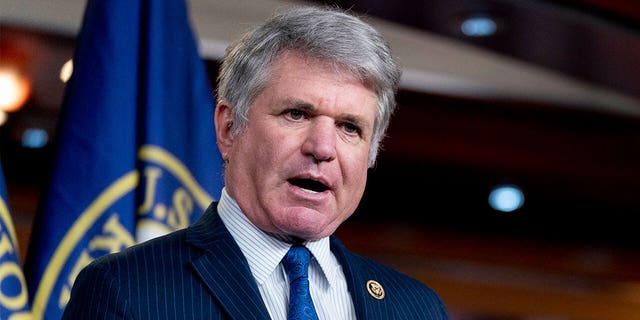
(309, 185)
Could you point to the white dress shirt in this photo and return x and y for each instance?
(264, 253)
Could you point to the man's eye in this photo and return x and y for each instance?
(351, 128)
(296, 114)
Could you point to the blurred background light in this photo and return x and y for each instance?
(34, 138)
(14, 90)
(478, 26)
(3, 117)
(506, 198)
(66, 71)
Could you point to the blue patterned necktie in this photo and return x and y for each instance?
(296, 263)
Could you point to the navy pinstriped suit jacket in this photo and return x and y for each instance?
(200, 273)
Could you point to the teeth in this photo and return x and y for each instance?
(309, 191)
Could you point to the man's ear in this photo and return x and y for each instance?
(223, 120)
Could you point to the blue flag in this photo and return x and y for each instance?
(14, 303)
(136, 155)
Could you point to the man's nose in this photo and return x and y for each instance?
(320, 142)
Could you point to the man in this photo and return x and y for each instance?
(304, 101)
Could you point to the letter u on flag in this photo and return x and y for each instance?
(14, 303)
(136, 154)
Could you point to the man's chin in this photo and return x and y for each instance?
(305, 222)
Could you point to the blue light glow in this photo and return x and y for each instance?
(34, 138)
(478, 26)
(506, 198)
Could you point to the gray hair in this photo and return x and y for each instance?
(327, 34)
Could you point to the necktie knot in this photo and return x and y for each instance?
(296, 264)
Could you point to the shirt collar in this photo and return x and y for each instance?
(263, 251)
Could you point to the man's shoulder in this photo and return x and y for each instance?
(376, 279)
(155, 248)
(374, 268)
(386, 272)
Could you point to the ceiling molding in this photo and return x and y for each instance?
(432, 63)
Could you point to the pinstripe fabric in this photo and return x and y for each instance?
(405, 297)
(201, 273)
(265, 253)
(195, 273)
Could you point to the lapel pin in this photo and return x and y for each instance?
(375, 289)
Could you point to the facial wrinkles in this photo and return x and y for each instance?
(329, 103)
(271, 149)
(347, 151)
(328, 116)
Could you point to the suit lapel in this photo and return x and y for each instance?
(223, 268)
(358, 276)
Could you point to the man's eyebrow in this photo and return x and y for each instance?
(300, 104)
(312, 109)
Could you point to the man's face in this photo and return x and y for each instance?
(300, 168)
